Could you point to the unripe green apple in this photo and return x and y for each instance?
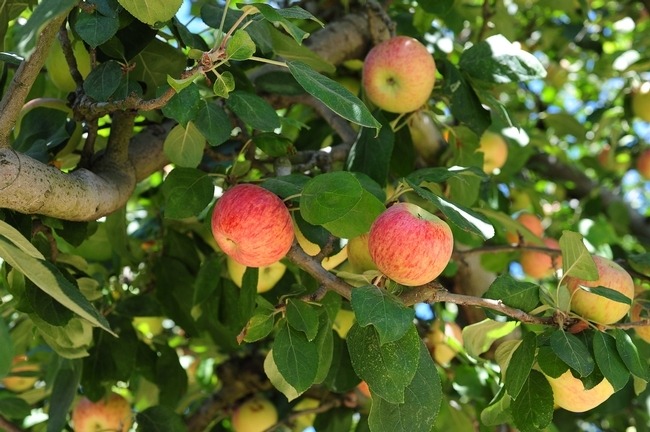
(112, 413)
(425, 136)
(267, 276)
(570, 393)
(57, 66)
(399, 74)
(359, 255)
(252, 225)
(19, 384)
(538, 264)
(598, 308)
(641, 102)
(495, 151)
(410, 245)
(254, 415)
(643, 164)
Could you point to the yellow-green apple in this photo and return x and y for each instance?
(437, 341)
(425, 136)
(570, 393)
(252, 225)
(112, 413)
(399, 74)
(539, 264)
(58, 69)
(149, 326)
(640, 313)
(359, 255)
(641, 101)
(410, 245)
(267, 277)
(254, 415)
(495, 151)
(304, 421)
(343, 322)
(643, 164)
(18, 383)
(530, 222)
(597, 308)
(313, 249)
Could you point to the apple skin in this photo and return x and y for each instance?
(267, 277)
(399, 74)
(359, 255)
(495, 151)
(529, 221)
(111, 413)
(641, 102)
(19, 384)
(643, 164)
(570, 394)
(364, 389)
(57, 66)
(436, 341)
(343, 322)
(425, 136)
(538, 264)
(637, 314)
(597, 308)
(410, 245)
(254, 415)
(252, 225)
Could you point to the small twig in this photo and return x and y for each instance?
(68, 52)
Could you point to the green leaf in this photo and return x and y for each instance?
(377, 307)
(184, 146)
(152, 12)
(296, 358)
(498, 412)
(240, 46)
(64, 391)
(550, 363)
(41, 15)
(338, 202)
(224, 84)
(154, 63)
(160, 419)
(333, 95)
(532, 411)
(520, 365)
(478, 337)
(48, 278)
(302, 317)
(253, 110)
(275, 17)
(286, 186)
(6, 349)
(18, 240)
(184, 105)
(514, 293)
(14, 407)
(259, 326)
(440, 7)
(170, 377)
(286, 47)
(341, 376)
(443, 174)
(573, 352)
(640, 263)
(213, 123)
(325, 343)
(179, 84)
(422, 399)
(95, 28)
(608, 293)
(273, 144)
(206, 284)
(464, 218)
(102, 81)
(389, 368)
(371, 153)
(277, 379)
(630, 355)
(609, 361)
(187, 192)
(576, 259)
(497, 60)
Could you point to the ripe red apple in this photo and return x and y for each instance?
(19, 384)
(643, 164)
(410, 245)
(529, 221)
(252, 225)
(570, 393)
(495, 151)
(254, 415)
(598, 308)
(641, 102)
(359, 255)
(399, 74)
(112, 413)
(538, 264)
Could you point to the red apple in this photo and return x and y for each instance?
(530, 222)
(399, 74)
(598, 308)
(538, 264)
(252, 225)
(410, 245)
(570, 393)
(495, 151)
(255, 415)
(112, 413)
(643, 164)
(641, 102)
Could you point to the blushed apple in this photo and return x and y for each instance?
(112, 413)
(597, 308)
(539, 264)
(399, 74)
(267, 276)
(495, 151)
(359, 254)
(410, 245)
(252, 225)
(18, 383)
(530, 222)
(438, 341)
(643, 164)
(254, 415)
(570, 393)
(641, 102)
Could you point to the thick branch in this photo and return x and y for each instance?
(24, 78)
(297, 256)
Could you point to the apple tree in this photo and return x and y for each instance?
(448, 234)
